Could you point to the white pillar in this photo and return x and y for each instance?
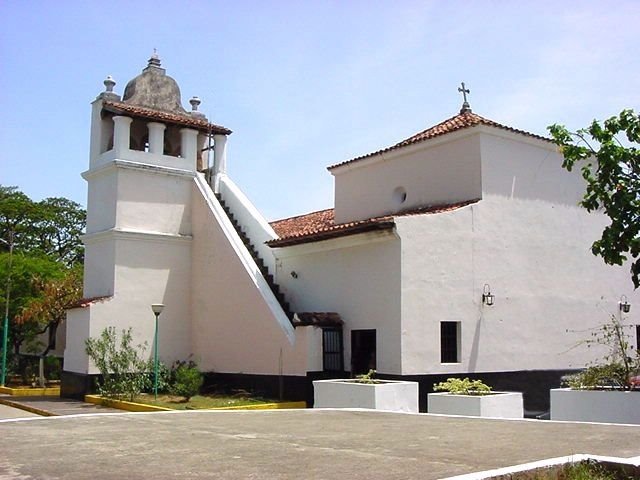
(219, 154)
(156, 137)
(121, 134)
(189, 144)
(219, 160)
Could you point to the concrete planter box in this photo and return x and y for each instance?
(497, 404)
(391, 395)
(608, 406)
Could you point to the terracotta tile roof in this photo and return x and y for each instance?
(151, 114)
(318, 319)
(85, 302)
(304, 224)
(317, 226)
(457, 122)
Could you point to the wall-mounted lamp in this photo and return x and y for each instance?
(294, 274)
(625, 306)
(487, 297)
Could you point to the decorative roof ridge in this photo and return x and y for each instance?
(465, 119)
(151, 113)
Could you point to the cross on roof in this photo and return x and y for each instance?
(465, 105)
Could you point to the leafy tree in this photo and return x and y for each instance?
(48, 309)
(40, 244)
(611, 170)
(51, 227)
(23, 290)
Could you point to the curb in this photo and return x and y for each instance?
(124, 405)
(27, 408)
(31, 392)
(142, 407)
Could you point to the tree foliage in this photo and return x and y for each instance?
(41, 257)
(48, 309)
(24, 289)
(610, 166)
(50, 227)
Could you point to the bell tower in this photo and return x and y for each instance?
(145, 150)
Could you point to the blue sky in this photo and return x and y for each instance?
(306, 84)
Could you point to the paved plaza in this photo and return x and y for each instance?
(295, 444)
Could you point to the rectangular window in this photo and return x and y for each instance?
(637, 337)
(332, 351)
(450, 342)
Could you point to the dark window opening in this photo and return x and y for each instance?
(450, 342)
(332, 350)
(363, 351)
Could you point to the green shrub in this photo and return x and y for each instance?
(124, 372)
(187, 380)
(612, 375)
(164, 377)
(617, 366)
(462, 386)
(367, 377)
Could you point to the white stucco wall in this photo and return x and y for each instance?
(235, 330)
(99, 265)
(549, 289)
(358, 277)
(153, 201)
(102, 189)
(516, 166)
(445, 170)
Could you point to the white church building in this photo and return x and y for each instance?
(459, 251)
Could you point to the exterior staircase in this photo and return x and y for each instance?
(275, 288)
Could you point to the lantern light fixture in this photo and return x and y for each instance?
(624, 305)
(487, 296)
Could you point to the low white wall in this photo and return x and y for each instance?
(497, 405)
(250, 219)
(396, 396)
(595, 405)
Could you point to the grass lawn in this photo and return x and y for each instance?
(200, 401)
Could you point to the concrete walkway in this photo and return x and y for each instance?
(7, 412)
(54, 406)
(294, 444)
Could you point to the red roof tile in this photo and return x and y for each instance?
(303, 224)
(318, 319)
(151, 114)
(317, 226)
(457, 122)
(85, 302)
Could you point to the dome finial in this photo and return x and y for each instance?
(154, 61)
(195, 102)
(109, 83)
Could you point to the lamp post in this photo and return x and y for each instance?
(157, 310)
(5, 324)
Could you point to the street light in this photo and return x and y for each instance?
(5, 324)
(157, 310)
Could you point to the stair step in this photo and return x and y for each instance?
(275, 288)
